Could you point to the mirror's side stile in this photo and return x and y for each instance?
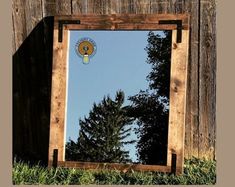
(58, 97)
(177, 111)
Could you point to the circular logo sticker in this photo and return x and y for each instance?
(86, 49)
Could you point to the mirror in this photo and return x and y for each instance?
(118, 96)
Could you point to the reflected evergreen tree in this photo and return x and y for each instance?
(103, 133)
(150, 107)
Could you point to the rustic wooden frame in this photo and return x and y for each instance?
(178, 83)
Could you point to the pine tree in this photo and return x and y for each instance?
(102, 134)
(150, 107)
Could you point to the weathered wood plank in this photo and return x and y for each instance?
(160, 7)
(79, 7)
(207, 83)
(13, 37)
(177, 107)
(115, 7)
(49, 8)
(33, 14)
(64, 7)
(58, 95)
(18, 14)
(142, 7)
(98, 7)
(192, 123)
(193, 93)
(53, 7)
(126, 6)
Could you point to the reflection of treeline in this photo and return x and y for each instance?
(102, 134)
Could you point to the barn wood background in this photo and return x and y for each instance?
(32, 65)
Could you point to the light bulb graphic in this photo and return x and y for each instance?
(86, 56)
(85, 59)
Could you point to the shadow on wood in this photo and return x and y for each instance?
(32, 69)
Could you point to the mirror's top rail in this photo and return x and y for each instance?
(125, 22)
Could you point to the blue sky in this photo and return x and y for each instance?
(119, 63)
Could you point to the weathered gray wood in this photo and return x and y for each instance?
(18, 14)
(207, 82)
(33, 14)
(13, 37)
(191, 134)
(64, 7)
(79, 7)
(49, 7)
(54, 7)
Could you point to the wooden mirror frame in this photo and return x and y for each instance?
(179, 24)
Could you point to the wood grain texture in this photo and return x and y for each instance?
(192, 112)
(177, 107)
(113, 166)
(126, 19)
(63, 7)
(33, 14)
(207, 82)
(13, 37)
(49, 7)
(79, 7)
(124, 22)
(19, 22)
(58, 95)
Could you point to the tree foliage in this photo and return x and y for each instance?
(150, 107)
(103, 133)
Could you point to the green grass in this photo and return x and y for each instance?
(196, 171)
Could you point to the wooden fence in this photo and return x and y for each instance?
(32, 65)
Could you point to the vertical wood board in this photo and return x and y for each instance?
(177, 107)
(19, 22)
(58, 96)
(192, 112)
(207, 82)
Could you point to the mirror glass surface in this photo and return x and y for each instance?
(118, 96)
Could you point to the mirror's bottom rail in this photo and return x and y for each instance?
(113, 166)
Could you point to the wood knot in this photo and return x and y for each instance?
(175, 89)
(174, 46)
(57, 120)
